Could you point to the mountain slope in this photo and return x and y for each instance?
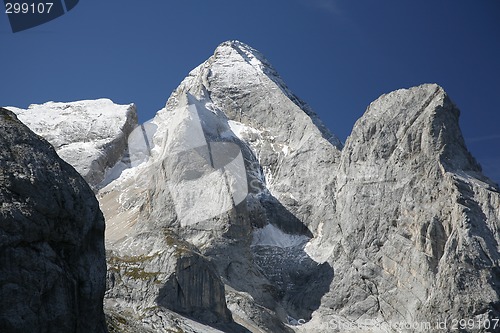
(243, 169)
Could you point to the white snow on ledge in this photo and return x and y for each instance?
(272, 236)
(242, 130)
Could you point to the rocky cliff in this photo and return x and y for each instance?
(415, 235)
(236, 210)
(215, 178)
(90, 135)
(52, 260)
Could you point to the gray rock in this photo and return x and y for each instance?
(90, 135)
(273, 134)
(172, 275)
(52, 260)
(415, 235)
(249, 215)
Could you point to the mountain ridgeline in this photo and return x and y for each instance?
(236, 210)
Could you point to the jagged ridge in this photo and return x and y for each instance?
(401, 219)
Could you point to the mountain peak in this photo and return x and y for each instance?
(234, 76)
(425, 117)
(248, 53)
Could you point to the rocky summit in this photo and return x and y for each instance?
(236, 210)
(414, 238)
(89, 135)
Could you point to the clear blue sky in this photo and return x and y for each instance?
(336, 55)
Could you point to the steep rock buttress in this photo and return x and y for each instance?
(52, 260)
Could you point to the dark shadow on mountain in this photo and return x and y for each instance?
(290, 278)
(294, 280)
(195, 291)
(300, 282)
(281, 217)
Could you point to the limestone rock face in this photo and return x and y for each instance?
(90, 135)
(52, 259)
(415, 235)
(286, 137)
(229, 159)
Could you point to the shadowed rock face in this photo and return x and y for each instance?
(52, 260)
(198, 291)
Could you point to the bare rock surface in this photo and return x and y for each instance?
(52, 259)
(90, 135)
(225, 145)
(414, 239)
(238, 211)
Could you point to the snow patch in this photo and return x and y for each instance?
(113, 173)
(285, 150)
(242, 131)
(82, 121)
(87, 134)
(472, 179)
(273, 236)
(316, 249)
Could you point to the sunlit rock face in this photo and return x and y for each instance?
(90, 135)
(415, 235)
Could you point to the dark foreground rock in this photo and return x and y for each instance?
(52, 259)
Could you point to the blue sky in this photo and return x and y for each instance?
(336, 55)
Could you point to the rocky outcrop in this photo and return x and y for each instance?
(415, 235)
(178, 280)
(90, 135)
(52, 260)
(224, 145)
